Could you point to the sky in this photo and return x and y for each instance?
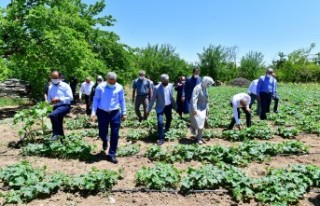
(266, 26)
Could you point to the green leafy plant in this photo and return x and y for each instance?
(175, 134)
(27, 183)
(70, 147)
(241, 154)
(32, 117)
(136, 134)
(128, 150)
(161, 176)
(288, 132)
(80, 123)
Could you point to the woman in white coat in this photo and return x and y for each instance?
(200, 107)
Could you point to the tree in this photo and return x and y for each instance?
(217, 61)
(298, 67)
(251, 65)
(41, 35)
(159, 59)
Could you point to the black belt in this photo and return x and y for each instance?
(109, 112)
(55, 107)
(144, 95)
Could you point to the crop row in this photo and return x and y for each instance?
(278, 187)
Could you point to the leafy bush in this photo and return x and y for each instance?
(174, 134)
(27, 183)
(31, 117)
(136, 134)
(241, 154)
(128, 150)
(71, 147)
(161, 176)
(288, 132)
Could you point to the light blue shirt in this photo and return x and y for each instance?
(108, 99)
(267, 84)
(61, 91)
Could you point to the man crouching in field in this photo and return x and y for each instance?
(110, 107)
(60, 96)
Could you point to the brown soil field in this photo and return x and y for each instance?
(130, 165)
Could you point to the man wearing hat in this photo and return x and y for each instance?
(266, 90)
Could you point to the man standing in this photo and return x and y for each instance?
(238, 101)
(252, 91)
(190, 84)
(179, 89)
(99, 80)
(85, 89)
(60, 96)
(144, 91)
(276, 96)
(266, 90)
(110, 107)
(163, 95)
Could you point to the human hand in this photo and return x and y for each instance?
(55, 100)
(195, 112)
(93, 118)
(183, 99)
(124, 117)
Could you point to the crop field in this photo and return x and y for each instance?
(274, 162)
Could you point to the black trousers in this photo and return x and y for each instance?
(265, 102)
(88, 104)
(276, 103)
(248, 118)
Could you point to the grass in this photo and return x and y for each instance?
(13, 101)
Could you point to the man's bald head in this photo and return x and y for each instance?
(55, 75)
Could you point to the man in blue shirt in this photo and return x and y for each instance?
(110, 107)
(190, 84)
(142, 87)
(266, 90)
(60, 96)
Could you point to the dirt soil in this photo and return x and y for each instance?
(132, 164)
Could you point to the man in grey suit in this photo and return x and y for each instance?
(163, 95)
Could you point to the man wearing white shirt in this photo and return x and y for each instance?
(252, 91)
(163, 96)
(60, 96)
(242, 101)
(85, 89)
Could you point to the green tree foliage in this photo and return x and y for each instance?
(159, 59)
(218, 62)
(299, 66)
(251, 65)
(39, 36)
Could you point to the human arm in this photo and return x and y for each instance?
(152, 100)
(122, 103)
(195, 97)
(68, 95)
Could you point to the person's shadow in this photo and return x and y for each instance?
(315, 200)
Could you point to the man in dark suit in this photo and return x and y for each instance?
(190, 84)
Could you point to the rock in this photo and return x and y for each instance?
(239, 82)
(112, 200)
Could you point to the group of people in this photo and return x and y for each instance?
(105, 101)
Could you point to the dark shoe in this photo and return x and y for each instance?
(54, 138)
(104, 145)
(160, 142)
(112, 159)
